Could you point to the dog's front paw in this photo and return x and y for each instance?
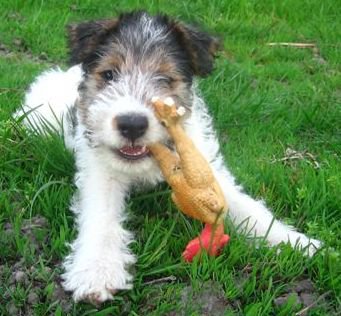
(95, 282)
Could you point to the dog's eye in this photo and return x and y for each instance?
(165, 80)
(110, 75)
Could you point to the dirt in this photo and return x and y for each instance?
(21, 50)
(29, 228)
(303, 294)
(36, 277)
(36, 280)
(208, 299)
(16, 16)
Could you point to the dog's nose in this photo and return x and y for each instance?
(132, 126)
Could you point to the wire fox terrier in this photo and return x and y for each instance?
(108, 122)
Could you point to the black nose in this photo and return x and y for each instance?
(132, 126)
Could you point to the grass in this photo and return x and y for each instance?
(264, 100)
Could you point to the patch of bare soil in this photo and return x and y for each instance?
(304, 295)
(208, 299)
(21, 50)
(39, 283)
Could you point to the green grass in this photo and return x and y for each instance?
(263, 99)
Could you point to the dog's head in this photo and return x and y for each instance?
(126, 62)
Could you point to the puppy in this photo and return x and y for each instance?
(104, 102)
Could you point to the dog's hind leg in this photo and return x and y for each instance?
(247, 213)
(254, 217)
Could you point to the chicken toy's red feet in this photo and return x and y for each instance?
(212, 244)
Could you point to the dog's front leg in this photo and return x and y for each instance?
(97, 265)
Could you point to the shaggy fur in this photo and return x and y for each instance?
(119, 65)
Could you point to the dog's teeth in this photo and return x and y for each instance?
(134, 151)
(169, 101)
(154, 99)
(181, 111)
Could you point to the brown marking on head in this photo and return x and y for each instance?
(168, 70)
(166, 52)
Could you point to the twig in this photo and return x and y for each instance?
(315, 50)
(291, 155)
(302, 311)
(298, 45)
(170, 278)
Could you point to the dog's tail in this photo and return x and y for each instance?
(50, 98)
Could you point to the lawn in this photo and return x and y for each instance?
(277, 111)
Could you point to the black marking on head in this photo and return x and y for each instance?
(192, 50)
(84, 39)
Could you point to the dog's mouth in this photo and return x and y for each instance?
(133, 152)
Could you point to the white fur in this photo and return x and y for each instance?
(100, 255)
(49, 98)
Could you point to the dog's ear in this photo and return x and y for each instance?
(85, 38)
(201, 47)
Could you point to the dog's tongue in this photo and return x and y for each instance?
(133, 151)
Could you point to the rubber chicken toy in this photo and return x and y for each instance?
(195, 191)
